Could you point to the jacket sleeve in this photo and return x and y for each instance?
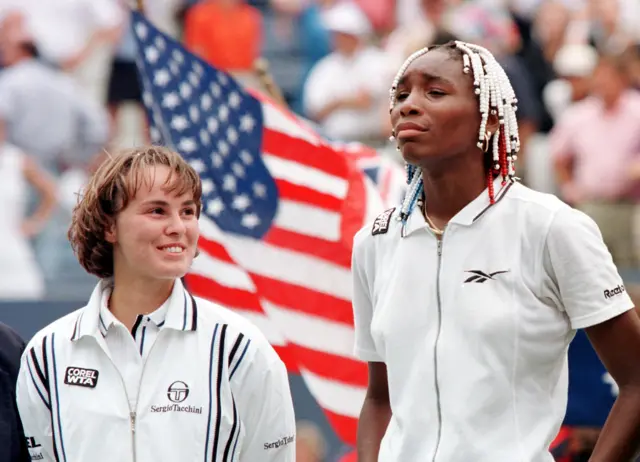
(261, 389)
(13, 445)
(32, 397)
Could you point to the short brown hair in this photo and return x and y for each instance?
(110, 189)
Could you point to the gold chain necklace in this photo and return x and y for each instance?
(434, 229)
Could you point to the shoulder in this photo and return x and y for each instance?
(238, 328)
(11, 348)
(546, 214)
(382, 230)
(60, 329)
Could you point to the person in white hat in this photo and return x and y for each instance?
(344, 87)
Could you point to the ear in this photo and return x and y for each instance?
(493, 123)
(110, 234)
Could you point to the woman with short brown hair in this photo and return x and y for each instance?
(145, 371)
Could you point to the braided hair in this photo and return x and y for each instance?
(496, 97)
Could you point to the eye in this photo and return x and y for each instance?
(436, 92)
(402, 96)
(189, 211)
(156, 211)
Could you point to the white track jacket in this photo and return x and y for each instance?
(210, 388)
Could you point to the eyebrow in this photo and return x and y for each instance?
(160, 203)
(428, 77)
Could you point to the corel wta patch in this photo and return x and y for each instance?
(81, 377)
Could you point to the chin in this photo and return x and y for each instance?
(415, 154)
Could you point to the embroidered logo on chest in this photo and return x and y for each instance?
(81, 377)
(381, 223)
(480, 276)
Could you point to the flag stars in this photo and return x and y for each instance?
(247, 123)
(178, 56)
(206, 102)
(141, 31)
(174, 68)
(223, 113)
(197, 165)
(234, 99)
(259, 190)
(161, 78)
(232, 135)
(152, 54)
(198, 69)
(212, 125)
(205, 138)
(188, 145)
(160, 43)
(193, 79)
(215, 207)
(171, 100)
(179, 123)
(238, 169)
(229, 183)
(194, 113)
(222, 79)
(185, 90)
(241, 202)
(250, 220)
(207, 187)
(217, 160)
(246, 157)
(215, 90)
(223, 148)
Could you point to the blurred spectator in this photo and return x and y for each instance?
(306, 36)
(310, 444)
(38, 99)
(20, 277)
(344, 88)
(595, 144)
(124, 85)
(45, 113)
(67, 32)
(574, 65)
(225, 33)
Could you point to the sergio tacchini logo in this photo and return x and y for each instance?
(178, 392)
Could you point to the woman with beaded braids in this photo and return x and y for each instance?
(467, 296)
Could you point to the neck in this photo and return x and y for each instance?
(452, 185)
(131, 297)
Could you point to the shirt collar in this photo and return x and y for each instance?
(178, 312)
(469, 214)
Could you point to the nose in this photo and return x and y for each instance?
(175, 225)
(409, 106)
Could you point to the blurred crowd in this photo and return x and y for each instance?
(69, 92)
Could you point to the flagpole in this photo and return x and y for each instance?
(140, 6)
(261, 68)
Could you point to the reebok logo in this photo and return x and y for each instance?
(87, 378)
(481, 276)
(613, 292)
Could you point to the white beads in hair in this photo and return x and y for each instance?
(495, 97)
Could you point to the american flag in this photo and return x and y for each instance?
(280, 208)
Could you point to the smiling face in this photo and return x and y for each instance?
(436, 113)
(155, 235)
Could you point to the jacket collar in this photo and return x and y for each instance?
(472, 212)
(179, 312)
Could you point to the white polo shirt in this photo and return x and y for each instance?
(474, 332)
(195, 382)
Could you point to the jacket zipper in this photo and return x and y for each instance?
(435, 348)
(133, 412)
